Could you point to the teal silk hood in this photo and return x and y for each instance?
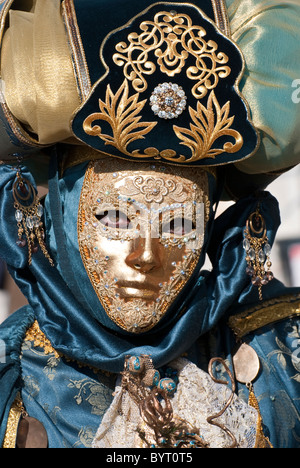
(68, 310)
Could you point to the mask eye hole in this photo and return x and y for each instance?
(178, 227)
(114, 219)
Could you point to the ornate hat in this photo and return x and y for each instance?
(167, 87)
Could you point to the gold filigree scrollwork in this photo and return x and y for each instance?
(210, 124)
(172, 38)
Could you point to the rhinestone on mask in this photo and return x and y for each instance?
(168, 101)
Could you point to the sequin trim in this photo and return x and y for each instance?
(13, 424)
(264, 314)
(38, 338)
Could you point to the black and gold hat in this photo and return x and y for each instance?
(167, 84)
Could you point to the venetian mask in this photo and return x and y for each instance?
(141, 231)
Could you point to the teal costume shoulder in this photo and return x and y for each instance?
(44, 382)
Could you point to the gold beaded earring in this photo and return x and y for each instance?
(29, 212)
(258, 250)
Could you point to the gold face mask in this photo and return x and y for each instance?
(141, 230)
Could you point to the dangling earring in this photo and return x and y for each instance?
(29, 212)
(258, 250)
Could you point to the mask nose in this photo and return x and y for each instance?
(145, 257)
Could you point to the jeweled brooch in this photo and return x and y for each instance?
(168, 100)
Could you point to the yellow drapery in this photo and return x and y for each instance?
(39, 82)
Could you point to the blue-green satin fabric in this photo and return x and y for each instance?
(277, 385)
(12, 335)
(70, 400)
(69, 311)
(73, 318)
(268, 33)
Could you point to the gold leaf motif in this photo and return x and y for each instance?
(121, 112)
(209, 124)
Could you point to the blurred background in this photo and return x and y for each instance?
(285, 253)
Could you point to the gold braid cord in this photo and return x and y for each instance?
(163, 427)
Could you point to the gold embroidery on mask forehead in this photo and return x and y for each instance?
(124, 189)
(154, 189)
